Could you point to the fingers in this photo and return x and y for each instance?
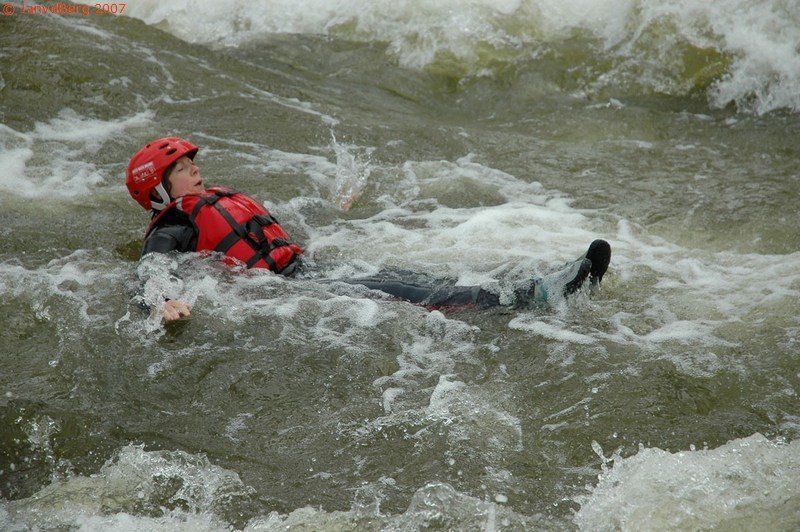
(174, 309)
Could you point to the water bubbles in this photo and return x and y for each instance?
(40, 432)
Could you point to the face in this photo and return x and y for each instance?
(185, 178)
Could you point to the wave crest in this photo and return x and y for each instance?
(738, 52)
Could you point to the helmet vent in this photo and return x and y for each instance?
(171, 151)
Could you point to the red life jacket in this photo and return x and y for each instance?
(236, 225)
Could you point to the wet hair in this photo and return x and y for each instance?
(165, 178)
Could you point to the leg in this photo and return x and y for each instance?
(436, 293)
(432, 295)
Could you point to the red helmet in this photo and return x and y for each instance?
(146, 169)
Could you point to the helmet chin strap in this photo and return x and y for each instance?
(165, 199)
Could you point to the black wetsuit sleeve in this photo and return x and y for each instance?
(164, 239)
(170, 238)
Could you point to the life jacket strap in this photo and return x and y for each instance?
(252, 232)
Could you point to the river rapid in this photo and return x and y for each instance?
(486, 141)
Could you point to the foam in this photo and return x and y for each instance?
(119, 522)
(696, 294)
(54, 160)
(750, 47)
(339, 182)
(175, 490)
(473, 416)
(749, 483)
(527, 228)
(435, 505)
(698, 309)
(524, 224)
(553, 332)
(76, 279)
(294, 104)
(88, 133)
(689, 297)
(694, 297)
(134, 482)
(324, 313)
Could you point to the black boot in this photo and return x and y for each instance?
(600, 254)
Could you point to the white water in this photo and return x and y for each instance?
(742, 485)
(645, 39)
(697, 297)
(56, 159)
(700, 310)
(133, 481)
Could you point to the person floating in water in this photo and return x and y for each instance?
(186, 216)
